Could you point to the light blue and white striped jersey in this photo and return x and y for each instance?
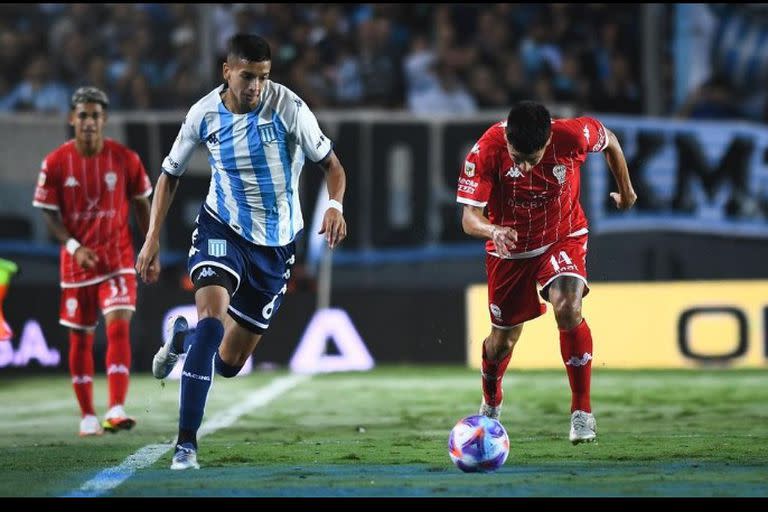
(256, 159)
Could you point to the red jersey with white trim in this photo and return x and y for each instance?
(542, 205)
(94, 195)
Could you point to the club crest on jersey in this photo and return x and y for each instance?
(110, 179)
(217, 247)
(71, 305)
(559, 172)
(267, 132)
(469, 169)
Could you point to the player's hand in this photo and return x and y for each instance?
(504, 239)
(148, 261)
(624, 201)
(334, 227)
(86, 258)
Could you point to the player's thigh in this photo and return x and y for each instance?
(216, 263)
(566, 258)
(512, 297)
(79, 308)
(262, 291)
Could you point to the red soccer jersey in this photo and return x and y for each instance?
(542, 205)
(93, 195)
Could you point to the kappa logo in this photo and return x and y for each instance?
(71, 181)
(475, 149)
(320, 142)
(514, 172)
(211, 140)
(208, 272)
(559, 172)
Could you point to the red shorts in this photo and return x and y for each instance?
(80, 306)
(512, 293)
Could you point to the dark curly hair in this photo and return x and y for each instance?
(528, 126)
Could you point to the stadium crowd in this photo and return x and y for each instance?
(421, 57)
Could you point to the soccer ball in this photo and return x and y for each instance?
(478, 444)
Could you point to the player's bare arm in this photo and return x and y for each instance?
(474, 223)
(148, 260)
(614, 155)
(84, 256)
(334, 226)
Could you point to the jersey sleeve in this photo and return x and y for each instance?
(476, 175)
(47, 188)
(594, 137)
(184, 146)
(138, 180)
(311, 139)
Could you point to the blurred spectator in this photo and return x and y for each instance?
(38, 91)
(447, 95)
(714, 99)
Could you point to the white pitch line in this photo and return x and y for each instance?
(110, 478)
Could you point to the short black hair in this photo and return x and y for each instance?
(528, 126)
(89, 94)
(249, 47)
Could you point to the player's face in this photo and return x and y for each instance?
(246, 80)
(527, 161)
(88, 121)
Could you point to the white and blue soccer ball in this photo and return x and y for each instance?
(478, 444)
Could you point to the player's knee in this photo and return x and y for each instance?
(502, 341)
(568, 312)
(226, 369)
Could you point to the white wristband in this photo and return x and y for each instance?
(332, 203)
(72, 245)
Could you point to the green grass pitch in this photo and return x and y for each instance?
(384, 433)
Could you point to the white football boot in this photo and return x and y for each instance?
(583, 427)
(89, 426)
(165, 358)
(185, 457)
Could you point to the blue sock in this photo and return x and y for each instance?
(224, 369)
(198, 373)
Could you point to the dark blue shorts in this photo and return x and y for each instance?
(261, 272)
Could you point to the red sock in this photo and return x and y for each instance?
(493, 372)
(576, 349)
(81, 368)
(118, 360)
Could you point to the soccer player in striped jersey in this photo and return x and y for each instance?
(525, 172)
(85, 189)
(257, 134)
